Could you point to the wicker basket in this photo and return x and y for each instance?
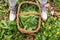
(18, 14)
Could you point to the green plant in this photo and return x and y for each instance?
(57, 3)
(28, 21)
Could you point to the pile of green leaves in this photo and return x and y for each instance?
(57, 3)
(28, 21)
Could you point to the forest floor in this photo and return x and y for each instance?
(50, 30)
